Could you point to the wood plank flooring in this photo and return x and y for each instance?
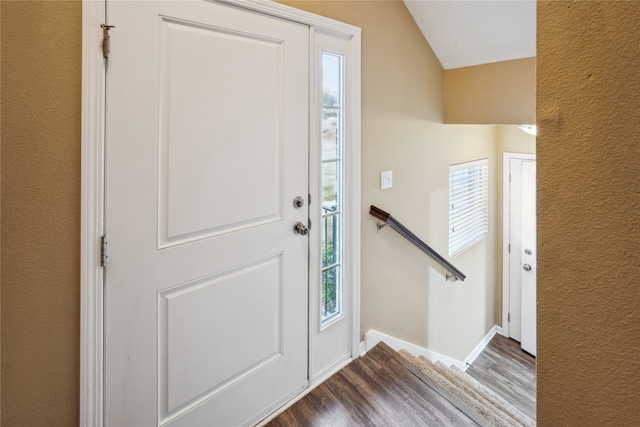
(378, 390)
(509, 371)
(375, 390)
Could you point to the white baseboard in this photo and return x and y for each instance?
(482, 344)
(373, 337)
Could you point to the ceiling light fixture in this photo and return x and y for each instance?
(530, 129)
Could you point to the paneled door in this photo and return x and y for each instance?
(529, 269)
(206, 289)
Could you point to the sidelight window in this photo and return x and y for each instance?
(332, 185)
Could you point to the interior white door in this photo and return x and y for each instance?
(528, 271)
(519, 226)
(206, 294)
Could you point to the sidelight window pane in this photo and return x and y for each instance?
(331, 184)
(331, 139)
(331, 118)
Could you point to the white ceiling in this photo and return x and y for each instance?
(463, 33)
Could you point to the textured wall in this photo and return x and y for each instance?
(41, 74)
(497, 93)
(588, 88)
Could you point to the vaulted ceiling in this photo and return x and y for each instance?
(464, 33)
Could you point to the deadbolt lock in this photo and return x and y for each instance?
(298, 202)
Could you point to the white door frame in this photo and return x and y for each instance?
(506, 203)
(92, 189)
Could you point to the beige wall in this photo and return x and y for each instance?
(512, 139)
(497, 93)
(41, 85)
(588, 211)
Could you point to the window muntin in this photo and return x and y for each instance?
(468, 204)
(331, 232)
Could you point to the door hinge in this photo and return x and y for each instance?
(509, 248)
(106, 44)
(508, 317)
(103, 251)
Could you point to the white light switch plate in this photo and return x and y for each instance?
(386, 179)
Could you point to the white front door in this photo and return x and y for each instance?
(528, 255)
(206, 289)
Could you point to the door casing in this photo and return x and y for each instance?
(92, 187)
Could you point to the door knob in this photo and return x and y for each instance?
(526, 267)
(300, 228)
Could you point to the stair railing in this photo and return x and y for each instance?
(453, 273)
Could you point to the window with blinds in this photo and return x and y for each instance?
(468, 204)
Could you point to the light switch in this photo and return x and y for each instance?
(386, 179)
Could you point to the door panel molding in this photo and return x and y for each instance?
(92, 191)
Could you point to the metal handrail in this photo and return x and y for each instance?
(453, 273)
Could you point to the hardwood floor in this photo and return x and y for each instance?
(509, 371)
(375, 390)
(378, 390)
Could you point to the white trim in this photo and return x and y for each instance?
(506, 214)
(92, 204)
(353, 177)
(279, 10)
(482, 344)
(92, 193)
(373, 337)
(362, 348)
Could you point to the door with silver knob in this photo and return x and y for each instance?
(207, 309)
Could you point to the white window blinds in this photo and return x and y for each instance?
(468, 204)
